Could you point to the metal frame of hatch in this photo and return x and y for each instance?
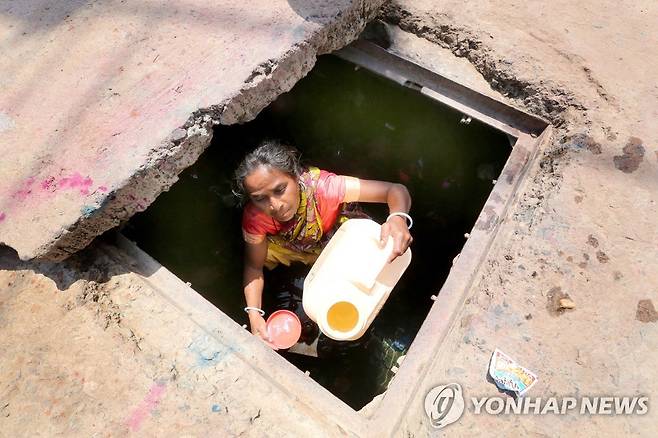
(531, 134)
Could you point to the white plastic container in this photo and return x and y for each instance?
(351, 280)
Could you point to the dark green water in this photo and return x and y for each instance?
(351, 122)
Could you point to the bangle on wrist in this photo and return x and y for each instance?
(410, 222)
(248, 308)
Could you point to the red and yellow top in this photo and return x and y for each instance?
(330, 192)
(323, 198)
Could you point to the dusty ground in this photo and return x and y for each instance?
(90, 347)
(585, 226)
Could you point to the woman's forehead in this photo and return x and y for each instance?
(265, 178)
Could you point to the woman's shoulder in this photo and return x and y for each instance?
(255, 221)
(316, 175)
(340, 188)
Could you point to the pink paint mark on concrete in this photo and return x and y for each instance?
(147, 406)
(47, 183)
(22, 194)
(2, 216)
(25, 191)
(76, 181)
(102, 188)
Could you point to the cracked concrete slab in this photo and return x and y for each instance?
(103, 103)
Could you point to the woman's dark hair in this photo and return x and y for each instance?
(270, 153)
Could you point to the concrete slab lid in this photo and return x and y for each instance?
(102, 104)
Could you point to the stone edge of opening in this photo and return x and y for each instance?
(386, 416)
(388, 413)
(525, 155)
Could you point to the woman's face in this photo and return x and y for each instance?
(274, 192)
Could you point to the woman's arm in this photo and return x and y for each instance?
(255, 254)
(398, 199)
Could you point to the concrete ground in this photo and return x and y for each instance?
(96, 346)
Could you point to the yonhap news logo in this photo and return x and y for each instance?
(445, 404)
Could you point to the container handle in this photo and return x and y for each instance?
(367, 277)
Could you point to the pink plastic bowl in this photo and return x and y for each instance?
(284, 328)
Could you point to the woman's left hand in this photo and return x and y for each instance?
(396, 227)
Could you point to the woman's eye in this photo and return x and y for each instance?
(281, 189)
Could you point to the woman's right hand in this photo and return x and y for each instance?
(259, 328)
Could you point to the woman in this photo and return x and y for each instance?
(293, 211)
